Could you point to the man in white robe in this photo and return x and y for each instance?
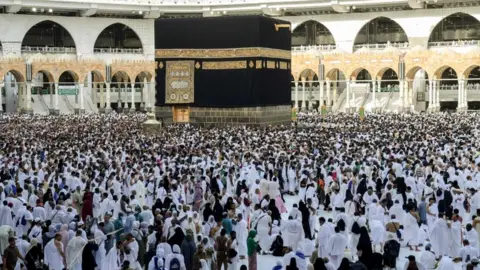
(410, 230)
(54, 257)
(6, 215)
(336, 247)
(427, 258)
(467, 253)
(241, 230)
(324, 234)
(100, 239)
(440, 237)
(263, 227)
(292, 232)
(132, 245)
(112, 261)
(74, 251)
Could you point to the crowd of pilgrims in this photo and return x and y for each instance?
(97, 192)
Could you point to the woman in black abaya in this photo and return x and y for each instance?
(364, 248)
(305, 219)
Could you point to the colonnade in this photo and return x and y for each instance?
(25, 96)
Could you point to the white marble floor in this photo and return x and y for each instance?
(267, 262)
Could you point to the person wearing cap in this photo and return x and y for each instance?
(11, 255)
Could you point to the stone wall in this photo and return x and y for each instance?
(252, 116)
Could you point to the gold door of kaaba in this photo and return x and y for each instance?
(181, 114)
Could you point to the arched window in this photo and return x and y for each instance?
(381, 30)
(312, 33)
(118, 36)
(48, 34)
(456, 27)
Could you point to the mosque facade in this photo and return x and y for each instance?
(66, 57)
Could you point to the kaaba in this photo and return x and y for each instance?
(219, 71)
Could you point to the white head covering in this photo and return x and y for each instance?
(176, 249)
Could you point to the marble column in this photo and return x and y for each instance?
(51, 95)
(464, 95)
(29, 97)
(401, 89)
(125, 98)
(296, 95)
(321, 95)
(374, 98)
(80, 96)
(329, 98)
(430, 94)
(132, 97)
(56, 97)
(333, 95)
(152, 95)
(108, 106)
(102, 95)
(303, 94)
(143, 94)
(2, 84)
(437, 95)
(348, 95)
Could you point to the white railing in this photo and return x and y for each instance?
(458, 43)
(381, 46)
(314, 48)
(117, 50)
(46, 49)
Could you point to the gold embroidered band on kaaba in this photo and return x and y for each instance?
(253, 52)
(236, 64)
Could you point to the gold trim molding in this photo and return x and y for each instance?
(225, 65)
(224, 53)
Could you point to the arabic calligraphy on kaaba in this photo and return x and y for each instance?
(179, 82)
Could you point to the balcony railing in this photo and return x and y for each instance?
(117, 50)
(381, 46)
(458, 43)
(314, 48)
(46, 49)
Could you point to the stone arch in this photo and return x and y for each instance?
(19, 76)
(97, 77)
(105, 40)
(66, 41)
(72, 77)
(357, 71)
(439, 71)
(410, 74)
(388, 78)
(466, 73)
(383, 70)
(437, 33)
(448, 77)
(144, 74)
(307, 74)
(332, 73)
(47, 74)
(399, 37)
(302, 34)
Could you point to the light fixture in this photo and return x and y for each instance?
(34, 9)
(50, 10)
(140, 12)
(224, 12)
(278, 8)
(354, 7)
